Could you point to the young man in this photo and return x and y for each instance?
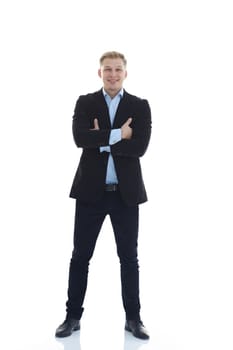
(113, 128)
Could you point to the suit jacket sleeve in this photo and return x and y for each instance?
(141, 125)
(83, 122)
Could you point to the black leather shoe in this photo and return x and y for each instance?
(137, 328)
(67, 328)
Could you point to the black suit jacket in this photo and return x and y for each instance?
(89, 180)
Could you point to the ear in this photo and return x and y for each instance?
(126, 73)
(99, 73)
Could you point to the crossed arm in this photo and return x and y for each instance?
(126, 130)
(131, 140)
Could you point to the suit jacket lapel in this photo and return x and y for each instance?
(120, 113)
(102, 108)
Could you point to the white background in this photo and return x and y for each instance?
(180, 58)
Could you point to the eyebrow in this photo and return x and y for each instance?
(113, 67)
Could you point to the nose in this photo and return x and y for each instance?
(113, 72)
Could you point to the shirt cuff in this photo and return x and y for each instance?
(105, 149)
(115, 136)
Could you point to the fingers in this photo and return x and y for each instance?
(96, 124)
(126, 130)
(128, 121)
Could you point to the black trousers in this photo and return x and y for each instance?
(88, 222)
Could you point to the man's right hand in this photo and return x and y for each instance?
(126, 130)
(96, 124)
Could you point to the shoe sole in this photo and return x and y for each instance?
(67, 334)
(128, 329)
(135, 335)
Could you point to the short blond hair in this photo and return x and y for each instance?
(113, 54)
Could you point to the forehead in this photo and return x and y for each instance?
(113, 62)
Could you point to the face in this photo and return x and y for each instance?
(113, 73)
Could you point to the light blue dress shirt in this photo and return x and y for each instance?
(115, 136)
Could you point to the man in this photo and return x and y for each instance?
(113, 129)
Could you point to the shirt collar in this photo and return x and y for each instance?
(120, 93)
